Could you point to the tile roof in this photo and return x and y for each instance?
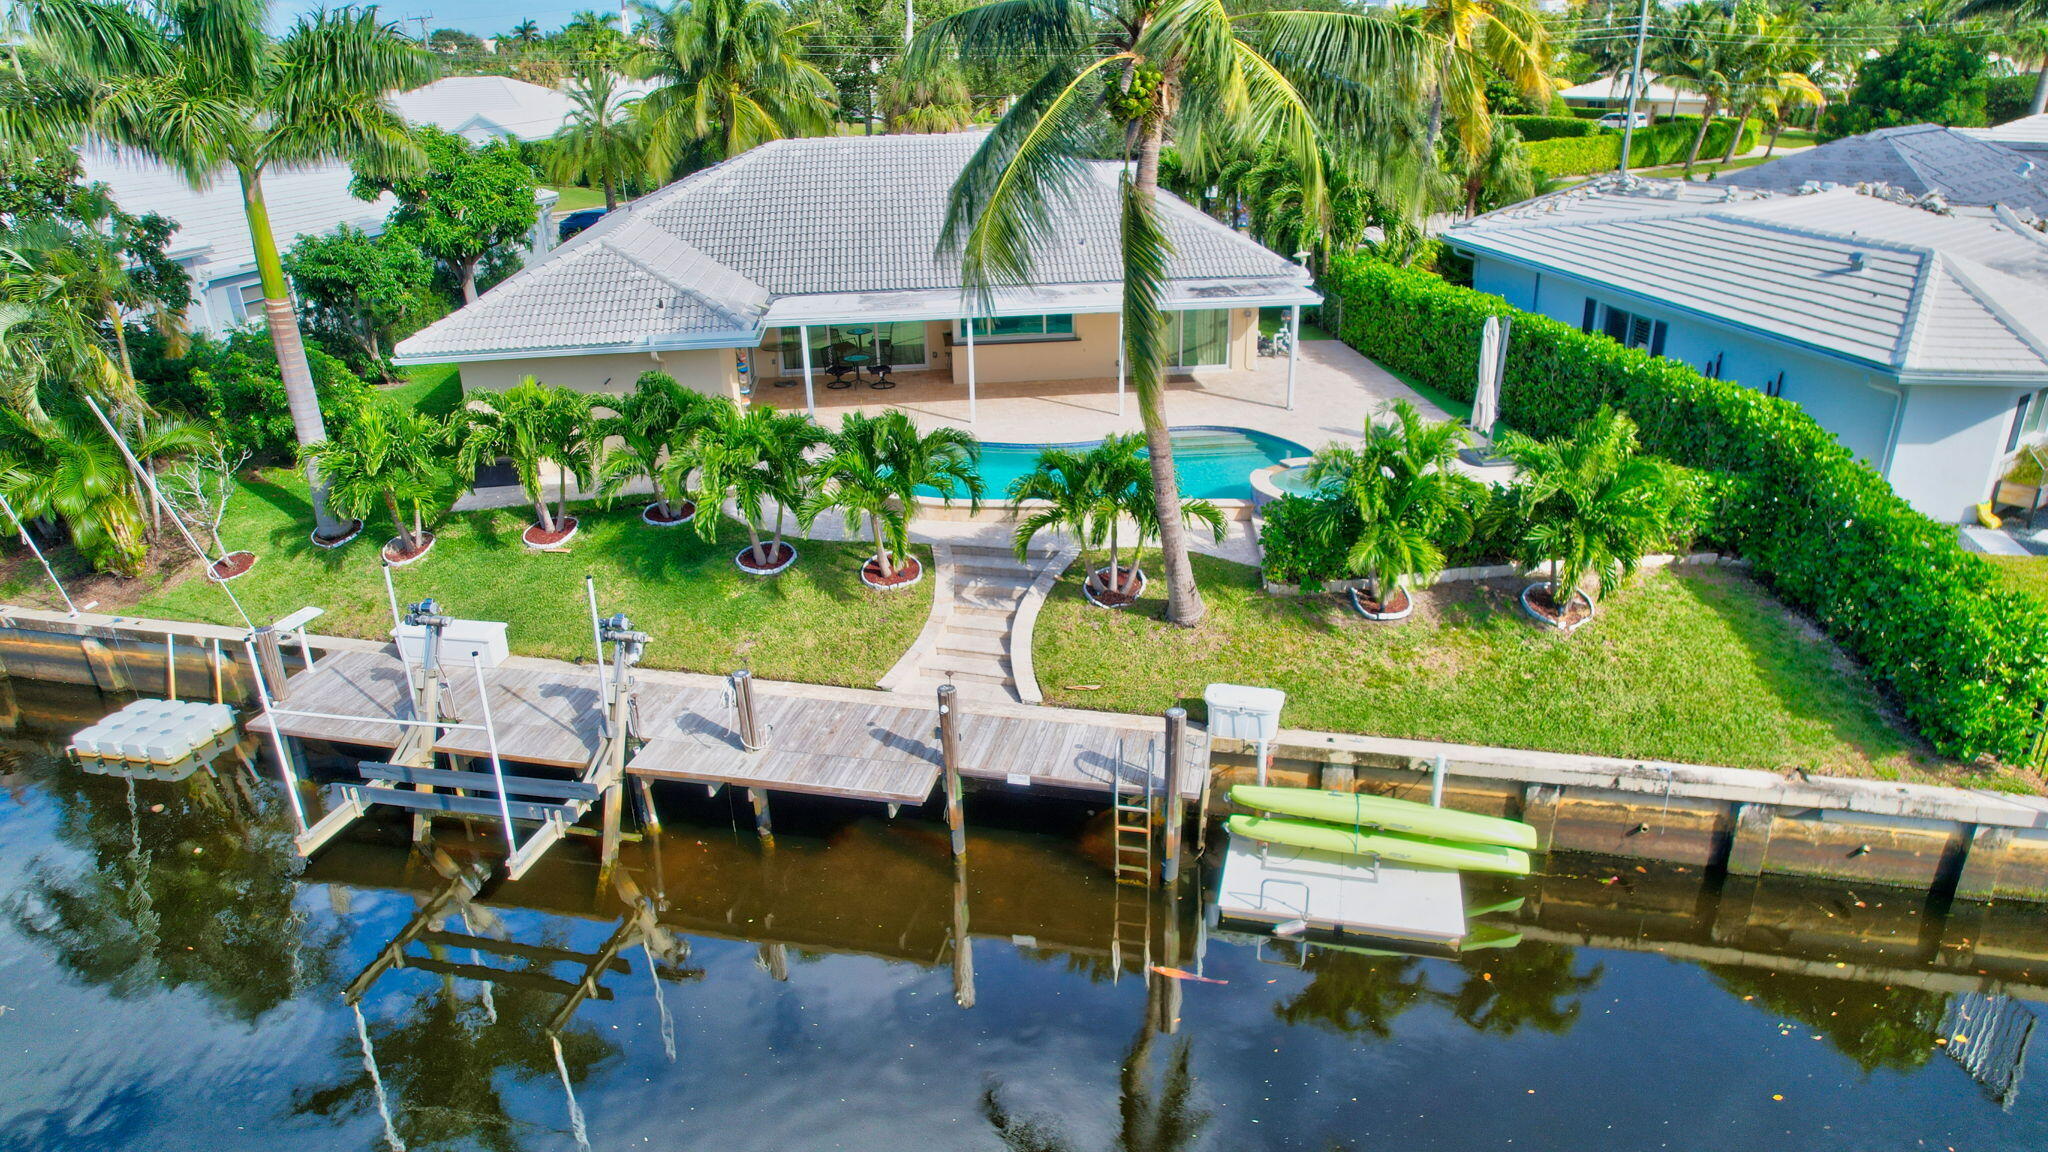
(845, 217)
(480, 107)
(2028, 134)
(1961, 295)
(1918, 159)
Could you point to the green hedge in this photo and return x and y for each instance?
(1966, 662)
(1534, 128)
(1665, 142)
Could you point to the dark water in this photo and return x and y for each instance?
(172, 978)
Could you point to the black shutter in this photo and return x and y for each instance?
(1586, 322)
(1657, 339)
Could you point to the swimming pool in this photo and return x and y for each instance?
(1214, 463)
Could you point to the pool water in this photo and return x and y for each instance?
(1214, 463)
(174, 978)
(1293, 481)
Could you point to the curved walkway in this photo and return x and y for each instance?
(978, 637)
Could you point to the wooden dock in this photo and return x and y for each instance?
(848, 743)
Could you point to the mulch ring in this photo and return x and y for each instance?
(355, 529)
(1536, 600)
(907, 573)
(685, 512)
(231, 565)
(537, 537)
(395, 552)
(780, 556)
(1398, 607)
(1106, 591)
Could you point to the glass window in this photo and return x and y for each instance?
(900, 344)
(2037, 416)
(1201, 339)
(247, 300)
(1000, 328)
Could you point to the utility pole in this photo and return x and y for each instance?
(422, 22)
(909, 21)
(1635, 86)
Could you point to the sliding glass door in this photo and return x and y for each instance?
(1201, 339)
(899, 344)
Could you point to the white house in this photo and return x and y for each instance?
(212, 241)
(1611, 93)
(811, 263)
(1919, 339)
(481, 108)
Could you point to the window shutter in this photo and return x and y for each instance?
(1657, 339)
(1586, 321)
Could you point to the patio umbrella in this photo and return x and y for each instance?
(1493, 359)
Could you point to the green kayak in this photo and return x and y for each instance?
(1388, 846)
(1356, 809)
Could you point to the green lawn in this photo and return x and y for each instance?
(1272, 320)
(435, 389)
(1697, 665)
(1706, 167)
(1456, 409)
(2027, 574)
(816, 622)
(576, 199)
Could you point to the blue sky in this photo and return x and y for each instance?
(482, 17)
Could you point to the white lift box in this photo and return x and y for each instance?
(1242, 712)
(486, 638)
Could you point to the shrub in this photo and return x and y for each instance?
(1296, 551)
(1534, 128)
(1665, 142)
(234, 384)
(1966, 662)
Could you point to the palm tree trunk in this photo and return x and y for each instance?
(611, 194)
(1735, 137)
(1699, 138)
(419, 525)
(1771, 147)
(754, 543)
(1436, 119)
(283, 321)
(398, 519)
(540, 508)
(1183, 600)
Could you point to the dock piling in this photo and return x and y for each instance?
(743, 707)
(1176, 813)
(762, 824)
(949, 749)
(270, 655)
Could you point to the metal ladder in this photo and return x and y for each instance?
(1131, 810)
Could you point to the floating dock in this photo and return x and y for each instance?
(1275, 884)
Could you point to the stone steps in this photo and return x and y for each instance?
(955, 642)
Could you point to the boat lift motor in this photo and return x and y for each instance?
(427, 614)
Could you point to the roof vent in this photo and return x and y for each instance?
(1855, 261)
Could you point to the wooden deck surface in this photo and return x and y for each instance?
(836, 742)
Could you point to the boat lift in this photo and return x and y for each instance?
(411, 779)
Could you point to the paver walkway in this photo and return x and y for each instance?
(977, 639)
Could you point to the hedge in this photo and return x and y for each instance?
(1534, 128)
(1665, 142)
(1966, 662)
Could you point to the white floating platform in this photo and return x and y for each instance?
(167, 738)
(1273, 884)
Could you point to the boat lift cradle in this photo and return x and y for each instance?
(410, 779)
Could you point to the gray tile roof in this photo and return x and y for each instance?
(1918, 159)
(1956, 296)
(849, 217)
(2027, 135)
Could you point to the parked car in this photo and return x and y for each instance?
(1621, 120)
(576, 222)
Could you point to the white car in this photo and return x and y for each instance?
(1621, 119)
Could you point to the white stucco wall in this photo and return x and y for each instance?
(708, 370)
(1950, 445)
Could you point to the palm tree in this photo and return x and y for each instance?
(873, 469)
(1137, 74)
(1694, 53)
(1396, 488)
(757, 457)
(936, 101)
(1770, 71)
(1474, 39)
(529, 424)
(202, 86)
(729, 74)
(388, 456)
(1070, 495)
(601, 142)
(525, 34)
(650, 425)
(72, 471)
(1589, 505)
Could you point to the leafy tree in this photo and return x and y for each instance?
(649, 426)
(364, 292)
(1938, 78)
(873, 469)
(232, 383)
(1696, 51)
(454, 42)
(202, 86)
(1588, 504)
(1397, 491)
(729, 75)
(465, 203)
(386, 456)
(758, 457)
(602, 141)
(529, 423)
(1186, 70)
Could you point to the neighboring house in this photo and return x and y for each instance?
(828, 245)
(1918, 159)
(1919, 339)
(482, 108)
(1611, 93)
(212, 241)
(2028, 135)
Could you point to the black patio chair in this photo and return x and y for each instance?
(880, 372)
(839, 372)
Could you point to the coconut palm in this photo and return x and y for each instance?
(1698, 51)
(1129, 76)
(530, 424)
(1397, 490)
(936, 101)
(755, 456)
(1476, 39)
(729, 74)
(386, 456)
(873, 468)
(203, 87)
(524, 35)
(1769, 71)
(601, 141)
(648, 426)
(1589, 505)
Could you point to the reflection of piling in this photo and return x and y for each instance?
(949, 749)
(1176, 813)
(963, 944)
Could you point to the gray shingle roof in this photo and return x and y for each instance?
(2028, 134)
(1963, 295)
(707, 256)
(1917, 158)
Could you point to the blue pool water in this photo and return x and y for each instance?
(1214, 463)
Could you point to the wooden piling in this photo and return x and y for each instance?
(949, 752)
(1175, 806)
(170, 665)
(762, 824)
(649, 818)
(270, 658)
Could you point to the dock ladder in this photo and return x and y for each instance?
(1131, 815)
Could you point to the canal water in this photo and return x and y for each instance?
(171, 977)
